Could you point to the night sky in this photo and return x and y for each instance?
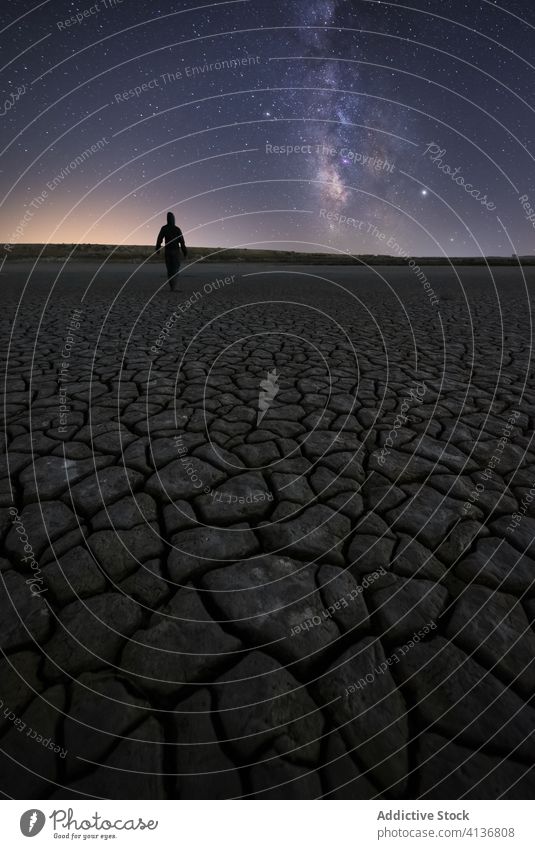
(392, 105)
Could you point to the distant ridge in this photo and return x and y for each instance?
(140, 253)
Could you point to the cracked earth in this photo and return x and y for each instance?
(335, 601)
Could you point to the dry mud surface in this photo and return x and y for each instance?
(269, 536)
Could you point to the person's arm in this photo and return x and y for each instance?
(159, 240)
(183, 244)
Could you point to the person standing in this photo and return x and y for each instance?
(174, 241)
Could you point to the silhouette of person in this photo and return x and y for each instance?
(174, 240)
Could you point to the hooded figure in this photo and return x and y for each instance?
(174, 241)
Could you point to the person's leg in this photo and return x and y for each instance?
(172, 261)
(169, 267)
(176, 269)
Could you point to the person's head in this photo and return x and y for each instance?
(171, 218)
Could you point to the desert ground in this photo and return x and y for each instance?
(269, 535)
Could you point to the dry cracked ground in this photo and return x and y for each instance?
(334, 599)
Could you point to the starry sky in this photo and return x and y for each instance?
(353, 126)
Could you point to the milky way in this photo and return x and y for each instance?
(185, 104)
